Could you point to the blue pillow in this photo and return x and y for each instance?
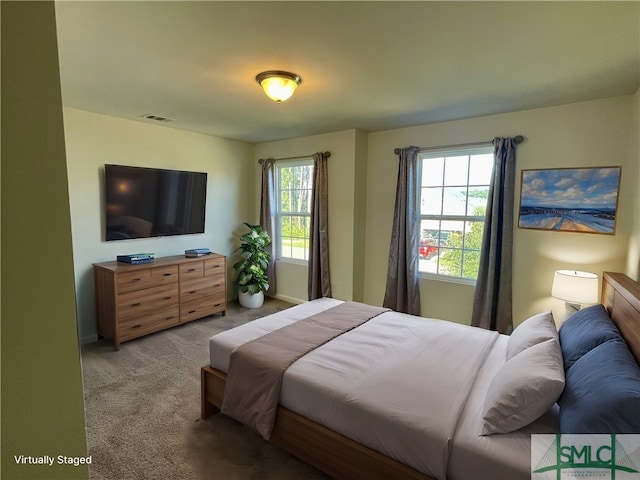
(602, 392)
(585, 330)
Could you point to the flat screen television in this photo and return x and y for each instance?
(152, 202)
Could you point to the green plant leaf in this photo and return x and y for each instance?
(255, 260)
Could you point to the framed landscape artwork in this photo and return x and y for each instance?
(570, 199)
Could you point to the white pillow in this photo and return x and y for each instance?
(535, 329)
(524, 388)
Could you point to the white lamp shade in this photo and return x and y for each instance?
(575, 287)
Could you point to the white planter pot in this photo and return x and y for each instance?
(251, 300)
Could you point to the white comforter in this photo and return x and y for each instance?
(409, 387)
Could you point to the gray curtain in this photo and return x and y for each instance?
(492, 299)
(403, 293)
(267, 215)
(319, 279)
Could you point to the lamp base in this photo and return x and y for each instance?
(570, 309)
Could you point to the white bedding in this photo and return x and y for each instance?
(377, 385)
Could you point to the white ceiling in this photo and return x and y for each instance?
(367, 65)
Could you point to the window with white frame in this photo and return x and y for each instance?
(294, 184)
(453, 201)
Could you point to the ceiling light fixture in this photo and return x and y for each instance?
(278, 85)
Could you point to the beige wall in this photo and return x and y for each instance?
(360, 214)
(42, 400)
(93, 140)
(345, 148)
(362, 173)
(596, 133)
(633, 261)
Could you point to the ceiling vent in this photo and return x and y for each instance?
(156, 118)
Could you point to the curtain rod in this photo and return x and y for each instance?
(516, 139)
(327, 154)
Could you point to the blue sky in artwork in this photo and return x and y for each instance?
(571, 188)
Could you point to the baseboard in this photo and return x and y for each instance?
(88, 339)
(288, 299)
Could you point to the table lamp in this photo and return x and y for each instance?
(575, 288)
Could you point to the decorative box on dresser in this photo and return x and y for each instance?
(136, 300)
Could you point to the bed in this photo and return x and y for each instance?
(364, 405)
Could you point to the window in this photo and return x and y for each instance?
(293, 216)
(453, 200)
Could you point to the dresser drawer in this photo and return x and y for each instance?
(149, 322)
(146, 278)
(201, 307)
(192, 270)
(155, 298)
(165, 274)
(200, 287)
(214, 266)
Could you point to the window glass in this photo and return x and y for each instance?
(294, 188)
(456, 170)
(453, 200)
(432, 171)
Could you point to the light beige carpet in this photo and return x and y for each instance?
(142, 408)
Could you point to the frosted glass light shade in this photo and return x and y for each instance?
(278, 85)
(575, 287)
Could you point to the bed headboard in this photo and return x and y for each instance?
(621, 297)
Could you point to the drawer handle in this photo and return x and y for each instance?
(135, 304)
(137, 326)
(167, 274)
(193, 291)
(217, 304)
(167, 298)
(169, 318)
(217, 285)
(136, 279)
(191, 270)
(192, 311)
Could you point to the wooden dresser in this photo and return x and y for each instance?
(135, 300)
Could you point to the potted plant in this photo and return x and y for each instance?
(252, 278)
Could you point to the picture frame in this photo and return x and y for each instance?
(582, 200)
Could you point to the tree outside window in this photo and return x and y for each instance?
(453, 199)
(294, 189)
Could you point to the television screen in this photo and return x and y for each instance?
(152, 202)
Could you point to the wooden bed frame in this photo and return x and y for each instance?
(621, 297)
(342, 458)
